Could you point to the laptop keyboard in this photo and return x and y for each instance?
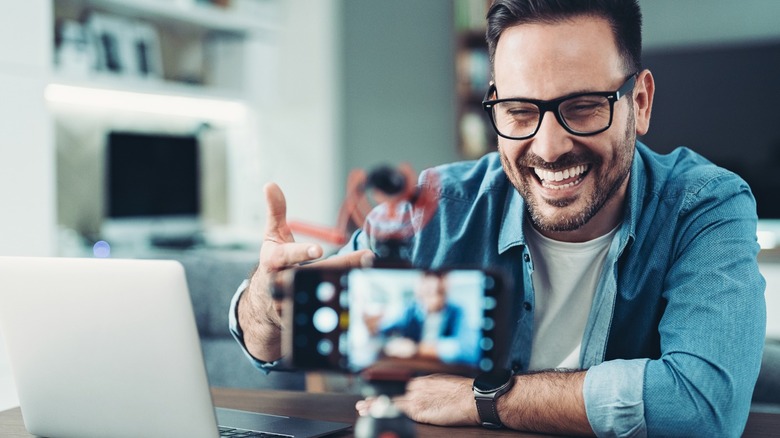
(241, 433)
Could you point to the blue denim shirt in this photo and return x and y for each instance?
(675, 334)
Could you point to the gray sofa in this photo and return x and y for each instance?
(212, 277)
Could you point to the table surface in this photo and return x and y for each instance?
(341, 407)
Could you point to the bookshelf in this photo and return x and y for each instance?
(472, 75)
(187, 42)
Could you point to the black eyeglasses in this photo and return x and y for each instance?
(580, 114)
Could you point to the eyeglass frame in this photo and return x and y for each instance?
(554, 107)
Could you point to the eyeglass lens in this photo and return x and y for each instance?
(583, 114)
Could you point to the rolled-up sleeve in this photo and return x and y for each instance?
(614, 398)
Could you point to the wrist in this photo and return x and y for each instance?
(488, 388)
(261, 327)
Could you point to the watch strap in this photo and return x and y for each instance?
(488, 388)
(488, 414)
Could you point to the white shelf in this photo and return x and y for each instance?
(149, 97)
(147, 86)
(186, 13)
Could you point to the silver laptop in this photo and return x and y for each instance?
(109, 348)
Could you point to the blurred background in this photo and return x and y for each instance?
(242, 92)
(203, 102)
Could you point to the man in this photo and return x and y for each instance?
(663, 316)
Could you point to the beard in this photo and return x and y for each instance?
(608, 174)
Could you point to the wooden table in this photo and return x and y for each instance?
(341, 407)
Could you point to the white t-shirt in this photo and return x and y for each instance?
(565, 278)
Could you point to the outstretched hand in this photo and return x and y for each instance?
(259, 315)
(279, 250)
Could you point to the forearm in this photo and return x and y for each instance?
(261, 325)
(550, 402)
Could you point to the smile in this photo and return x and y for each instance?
(561, 179)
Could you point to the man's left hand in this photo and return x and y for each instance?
(440, 399)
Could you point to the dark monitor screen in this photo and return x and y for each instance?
(722, 102)
(152, 175)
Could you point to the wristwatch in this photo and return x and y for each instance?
(488, 387)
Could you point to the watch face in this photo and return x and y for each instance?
(491, 381)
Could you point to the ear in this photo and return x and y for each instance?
(643, 101)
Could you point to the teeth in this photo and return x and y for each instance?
(560, 186)
(549, 176)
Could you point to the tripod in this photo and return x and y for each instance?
(384, 418)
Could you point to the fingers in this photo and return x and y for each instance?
(275, 257)
(280, 251)
(358, 259)
(363, 406)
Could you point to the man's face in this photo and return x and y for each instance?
(432, 293)
(547, 61)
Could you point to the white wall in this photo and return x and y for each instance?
(399, 81)
(27, 216)
(27, 213)
(301, 119)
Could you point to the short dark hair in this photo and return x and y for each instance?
(624, 17)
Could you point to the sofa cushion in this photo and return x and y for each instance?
(212, 278)
(227, 367)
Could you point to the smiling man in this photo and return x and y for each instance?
(640, 305)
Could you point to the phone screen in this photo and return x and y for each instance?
(420, 320)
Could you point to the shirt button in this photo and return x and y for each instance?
(527, 305)
(527, 258)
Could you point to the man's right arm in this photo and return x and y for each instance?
(257, 323)
(260, 317)
(238, 333)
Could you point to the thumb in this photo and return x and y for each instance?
(276, 215)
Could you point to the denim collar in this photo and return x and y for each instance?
(637, 185)
(511, 232)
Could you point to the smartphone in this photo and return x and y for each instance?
(421, 321)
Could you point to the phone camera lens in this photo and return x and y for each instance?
(324, 347)
(486, 344)
(325, 292)
(325, 319)
(486, 364)
(302, 297)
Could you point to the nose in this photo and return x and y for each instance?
(551, 140)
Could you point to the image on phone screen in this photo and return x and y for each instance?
(421, 320)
